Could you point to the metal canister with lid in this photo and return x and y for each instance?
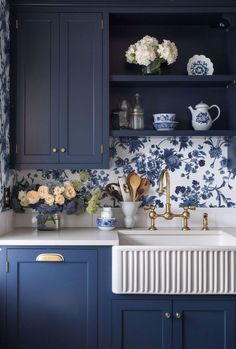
(137, 114)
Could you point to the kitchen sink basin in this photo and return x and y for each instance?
(170, 238)
(174, 262)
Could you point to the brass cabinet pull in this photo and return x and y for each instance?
(178, 315)
(54, 150)
(167, 315)
(50, 257)
(63, 150)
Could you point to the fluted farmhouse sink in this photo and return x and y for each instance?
(174, 262)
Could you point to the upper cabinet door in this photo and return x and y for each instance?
(81, 89)
(37, 88)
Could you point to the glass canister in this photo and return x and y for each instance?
(137, 114)
(124, 114)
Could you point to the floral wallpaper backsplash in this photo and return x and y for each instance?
(5, 173)
(197, 166)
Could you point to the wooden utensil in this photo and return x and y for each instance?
(113, 190)
(144, 185)
(128, 183)
(135, 182)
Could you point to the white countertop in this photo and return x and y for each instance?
(72, 237)
(65, 237)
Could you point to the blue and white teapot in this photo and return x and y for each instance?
(201, 119)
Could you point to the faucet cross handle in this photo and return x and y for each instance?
(149, 207)
(186, 216)
(190, 207)
(152, 215)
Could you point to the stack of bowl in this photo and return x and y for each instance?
(164, 122)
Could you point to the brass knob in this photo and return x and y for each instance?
(178, 315)
(63, 150)
(168, 315)
(54, 150)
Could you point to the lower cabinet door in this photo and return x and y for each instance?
(140, 324)
(52, 304)
(204, 324)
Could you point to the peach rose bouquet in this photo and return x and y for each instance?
(73, 197)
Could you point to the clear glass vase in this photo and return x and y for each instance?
(153, 68)
(48, 222)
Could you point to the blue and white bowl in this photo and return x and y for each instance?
(106, 223)
(165, 125)
(164, 117)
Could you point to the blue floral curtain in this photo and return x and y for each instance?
(4, 95)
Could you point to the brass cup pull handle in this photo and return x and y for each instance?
(54, 150)
(50, 257)
(167, 315)
(178, 315)
(63, 150)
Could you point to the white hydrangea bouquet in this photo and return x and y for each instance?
(151, 54)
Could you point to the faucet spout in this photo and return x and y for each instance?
(168, 214)
(165, 174)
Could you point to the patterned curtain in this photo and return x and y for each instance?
(4, 96)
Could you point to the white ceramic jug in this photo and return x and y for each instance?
(201, 119)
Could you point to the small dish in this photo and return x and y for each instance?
(165, 125)
(164, 117)
(106, 223)
(200, 65)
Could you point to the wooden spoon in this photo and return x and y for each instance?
(135, 182)
(128, 183)
(144, 185)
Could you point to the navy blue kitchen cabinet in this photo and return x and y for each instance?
(163, 324)
(138, 324)
(51, 304)
(204, 324)
(59, 116)
(37, 89)
(69, 304)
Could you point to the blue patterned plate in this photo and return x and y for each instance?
(200, 65)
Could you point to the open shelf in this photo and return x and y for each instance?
(172, 80)
(144, 133)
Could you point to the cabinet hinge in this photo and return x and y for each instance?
(17, 24)
(16, 149)
(7, 267)
(102, 24)
(102, 148)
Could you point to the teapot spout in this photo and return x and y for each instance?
(191, 109)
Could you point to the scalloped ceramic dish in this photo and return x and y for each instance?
(200, 65)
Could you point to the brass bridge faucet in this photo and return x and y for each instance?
(168, 214)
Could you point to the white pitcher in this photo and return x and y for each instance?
(201, 119)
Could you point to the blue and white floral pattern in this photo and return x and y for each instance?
(5, 174)
(198, 168)
(202, 118)
(165, 125)
(199, 68)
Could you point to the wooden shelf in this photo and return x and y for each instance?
(176, 133)
(172, 80)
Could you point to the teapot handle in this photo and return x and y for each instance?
(215, 106)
